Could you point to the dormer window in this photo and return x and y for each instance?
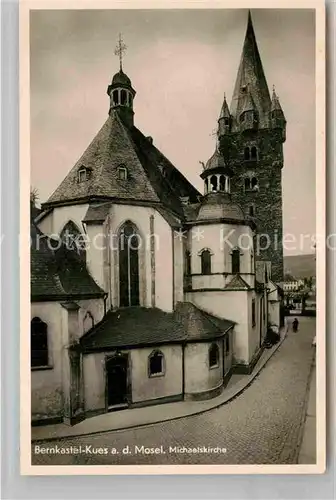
(226, 121)
(163, 170)
(84, 174)
(122, 173)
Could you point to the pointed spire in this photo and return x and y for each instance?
(249, 21)
(251, 78)
(275, 102)
(225, 113)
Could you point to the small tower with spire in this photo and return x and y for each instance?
(120, 90)
(250, 139)
(224, 120)
(278, 120)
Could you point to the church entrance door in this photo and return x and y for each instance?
(116, 382)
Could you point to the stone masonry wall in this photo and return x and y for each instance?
(267, 200)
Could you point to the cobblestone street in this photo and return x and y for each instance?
(261, 426)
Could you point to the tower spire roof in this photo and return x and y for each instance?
(275, 105)
(251, 79)
(225, 113)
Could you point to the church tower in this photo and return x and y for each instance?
(251, 136)
(120, 90)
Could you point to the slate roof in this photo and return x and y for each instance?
(251, 76)
(219, 205)
(237, 283)
(216, 161)
(225, 113)
(122, 78)
(58, 273)
(275, 105)
(191, 211)
(140, 326)
(151, 177)
(97, 212)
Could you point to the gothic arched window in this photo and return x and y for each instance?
(73, 239)
(38, 343)
(88, 322)
(129, 244)
(235, 255)
(247, 183)
(213, 356)
(206, 262)
(222, 183)
(247, 153)
(156, 364)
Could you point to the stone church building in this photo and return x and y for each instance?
(143, 290)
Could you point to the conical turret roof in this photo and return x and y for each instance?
(225, 112)
(275, 105)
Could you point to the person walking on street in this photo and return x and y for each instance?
(295, 325)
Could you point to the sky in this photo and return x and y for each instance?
(180, 62)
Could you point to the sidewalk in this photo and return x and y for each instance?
(138, 417)
(307, 454)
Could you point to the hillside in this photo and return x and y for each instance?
(300, 266)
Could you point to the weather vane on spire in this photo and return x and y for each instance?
(120, 49)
